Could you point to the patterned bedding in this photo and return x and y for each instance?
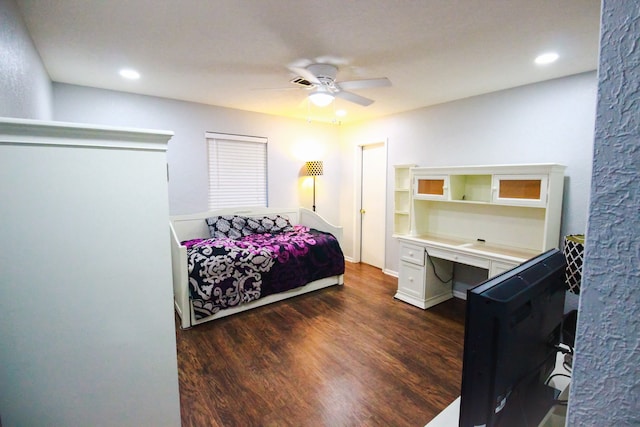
(226, 272)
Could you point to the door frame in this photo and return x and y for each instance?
(357, 219)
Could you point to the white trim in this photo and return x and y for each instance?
(49, 133)
(422, 303)
(357, 241)
(357, 192)
(460, 294)
(389, 272)
(234, 137)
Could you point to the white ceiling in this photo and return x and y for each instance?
(234, 53)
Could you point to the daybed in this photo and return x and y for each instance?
(256, 257)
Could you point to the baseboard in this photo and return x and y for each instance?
(390, 272)
(460, 294)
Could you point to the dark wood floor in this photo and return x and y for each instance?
(347, 355)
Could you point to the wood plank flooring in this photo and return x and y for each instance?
(347, 355)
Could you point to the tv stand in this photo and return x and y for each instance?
(555, 417)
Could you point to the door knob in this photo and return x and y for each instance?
(362, 211)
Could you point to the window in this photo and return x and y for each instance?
(237, 170)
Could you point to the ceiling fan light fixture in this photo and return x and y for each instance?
(321, 97)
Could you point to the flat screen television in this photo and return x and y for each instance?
(512, 330)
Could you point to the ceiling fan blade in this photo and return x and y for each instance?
(352, 97)
(306, 74)
(364, 84)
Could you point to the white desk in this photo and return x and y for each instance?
(556, 416)
(418, 282)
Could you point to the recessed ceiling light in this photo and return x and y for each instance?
(546, 58)
(341, 113)
(130, 74)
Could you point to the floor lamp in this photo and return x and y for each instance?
(314, 168)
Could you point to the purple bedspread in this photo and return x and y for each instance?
(225, 272)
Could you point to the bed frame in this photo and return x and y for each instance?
(186, 227)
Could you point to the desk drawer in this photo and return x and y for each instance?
(412, 253)
(462, 258)
(411, 280)
(499, 267)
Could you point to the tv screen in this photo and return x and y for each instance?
(512, 330)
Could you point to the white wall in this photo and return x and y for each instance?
(548, 122)
(291, 143)
(25, 87)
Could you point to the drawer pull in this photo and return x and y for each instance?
(410, 279)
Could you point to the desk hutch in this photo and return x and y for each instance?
(492, 217)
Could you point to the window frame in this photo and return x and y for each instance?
(235, 180)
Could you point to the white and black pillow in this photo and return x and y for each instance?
(275, 224)
(226, 226)
(235, 226)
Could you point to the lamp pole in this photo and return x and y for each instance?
(314, 193)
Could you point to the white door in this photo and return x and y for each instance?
(373, 204)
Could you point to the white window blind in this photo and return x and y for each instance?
(237, 170)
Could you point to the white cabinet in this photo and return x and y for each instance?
(88, 326)
(491, 217)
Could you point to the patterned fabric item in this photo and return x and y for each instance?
(228, 272)
(236, 227)
(574, 254)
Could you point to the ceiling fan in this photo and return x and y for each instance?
(321, 79)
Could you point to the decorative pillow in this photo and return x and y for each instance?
(274, 224)
(235, 227)
(226, 226)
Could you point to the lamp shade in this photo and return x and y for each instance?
(314, 168)
(321, 97)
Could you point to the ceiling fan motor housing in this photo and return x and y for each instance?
(321, 78)
(323, 71)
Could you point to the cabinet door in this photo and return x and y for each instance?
(434, 187)
(520, 190)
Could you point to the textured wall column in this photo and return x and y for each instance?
(605, 389)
